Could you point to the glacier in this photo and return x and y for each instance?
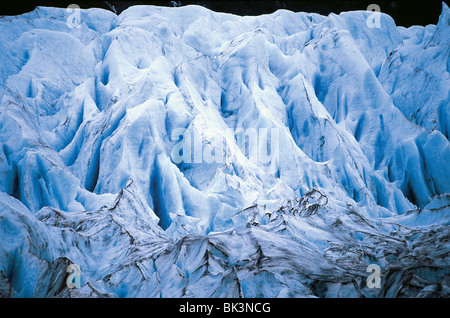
(89, 120)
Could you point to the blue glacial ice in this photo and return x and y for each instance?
(361, 174)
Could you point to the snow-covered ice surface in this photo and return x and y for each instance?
(362, 175)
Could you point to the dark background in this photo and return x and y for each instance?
(405, 13)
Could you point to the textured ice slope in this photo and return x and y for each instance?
(88, 124)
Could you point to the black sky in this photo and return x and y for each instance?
(405, 13)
